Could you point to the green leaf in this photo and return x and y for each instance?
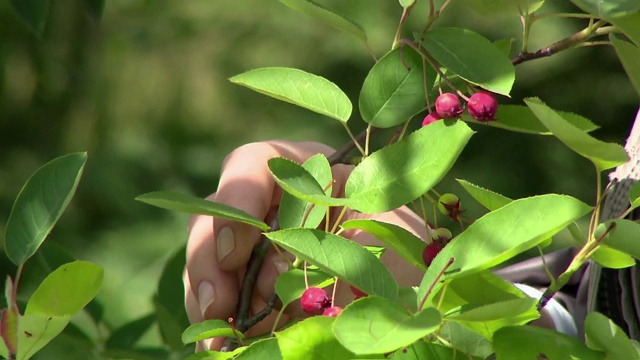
(465, 340)
(339, 257)
(290, 285)
(612, 258)
(66, 290)
(629, 55)
(126, 336)
(480, 288)
(406, 3)
(170, 326)
(194, 205)
(33, 12)
(95, 8)
(261, 349)
(623, 237)
(311, 339)
(425, 350)
(603, 334)
(487, 198)
(330, 18)
(208, 329)
(502, 310)
(401, 241)
(297, 181)
(504, 233)
(608, 8)
(521, 119)
(40, 204)
(393, 91)
(504, 7)
(629, 25)
(400, 173)
(373, 325)
(530, 342)
(458, 50)
(603, 155)
(172, 317)
(36, 331)
(300, 88)
(295, 212)
(634, 195)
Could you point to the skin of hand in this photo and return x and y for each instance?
(218, 250)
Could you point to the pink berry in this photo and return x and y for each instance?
(448, 106)
(483, 106)
(314, 300)
(332, 311)
(430, 252)
(431, 118)
(358, 293)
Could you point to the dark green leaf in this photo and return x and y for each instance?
(465, 340)
(401, 241)
(33, 12)
(300, 88)
(339, 257)
(603, 155)
(330, 18)
(604, 335)
(492, 8)
(208, 329)
(634, 195)
(521, 119)
(66, 290)
(311, 339)
(171, 328)
(629, 55)
(194, 205)
(504, 233)
(94, 8)
(458, 50)
(393, 91)
(128, 334)
(629, 25)
(487, 198)
(532, 342)
(623, 237)
(374, 325)
(608, 8)
(295, 212)
(40, 204)
(172, 318)
(400, 173)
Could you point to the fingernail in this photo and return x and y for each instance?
(281, 266)
(225, 243)
(206, 296)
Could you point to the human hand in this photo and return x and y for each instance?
(218, 250)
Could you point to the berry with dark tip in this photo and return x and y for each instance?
(314, 301)
(441, 236)
(332, 311)
(430, 252)
(431, 118)
(449, 204)
(482, 106)
(448, 106)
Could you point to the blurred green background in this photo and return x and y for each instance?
(145, 92)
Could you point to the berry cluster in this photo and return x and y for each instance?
(482, 106)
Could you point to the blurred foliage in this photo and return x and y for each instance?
(145, 92)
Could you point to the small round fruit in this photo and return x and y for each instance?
(483, 106)
(431, 118)
(430, 252)
(448, 106)
(332, 311)
(314, 301)
(358, 293)
(449, 204)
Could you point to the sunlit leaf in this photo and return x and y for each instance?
(532, 342)
(603, 155)
(194, 205)
(612, 258)
(36, 331)
(459, 50)
(300, 88)
(406, 3)
(339, 257)
(603, 334)
(623, 237)
(400, 173)
(208, 329)
(40, 204)
(487, 198)
(261, 349)
(393, 91)
(311, 339)
(608, 8)
(373, 325)
(465, 340)
(291, 284)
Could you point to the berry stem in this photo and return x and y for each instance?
(353, 138)
(405, 13)
(435, 281)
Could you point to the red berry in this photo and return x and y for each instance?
(332, 311)
(431, 118)
(430, 252)
(358, 293)
(314, 300)
(483, 106)
(448, 106)
(449, 204)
